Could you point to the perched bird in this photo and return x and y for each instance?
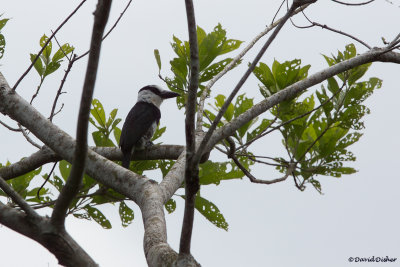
(142, 121)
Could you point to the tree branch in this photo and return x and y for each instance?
(46, 155)
(191, 167)
(74, 180)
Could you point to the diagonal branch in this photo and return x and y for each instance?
(74, 180)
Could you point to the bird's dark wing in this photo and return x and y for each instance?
(138, 121)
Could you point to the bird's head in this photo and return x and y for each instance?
(155, 95)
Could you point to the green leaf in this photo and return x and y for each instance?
(62, 52)
(214, 69)
(170, 206)
(2, 45)
(56, 181)
(126, 214)
(3, 23)
(159, 131)
(214, 172)
(158, 58)
(243, 104)
(98, 112)
(38, 64)
(211, 212)
(65, 169)
(101, 140)
(47, 51)
(51, 67)
(264, 74)
(260, 129)
(21, 183)
(111, 118)
(98, 217)
(117, 134)
(220, 100)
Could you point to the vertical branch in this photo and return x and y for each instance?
(191, 168)
(71, 187)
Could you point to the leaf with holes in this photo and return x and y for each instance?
(98, 112)
(38, 64)
(101, 140)
(170, 206)
(126, 214)
(98, 217)
(211, 212)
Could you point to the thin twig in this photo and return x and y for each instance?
(324, 26)
(252, 178)
(28, 138)
(353, 4)
(45, 181)
(45, 45)
(9, 127)
(59, 92)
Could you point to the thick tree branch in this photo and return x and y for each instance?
(74, 180)
(46, 155)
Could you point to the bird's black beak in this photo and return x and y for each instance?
(168, 94)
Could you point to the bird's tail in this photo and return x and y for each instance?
(126, 160)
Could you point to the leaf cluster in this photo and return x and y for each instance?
(47, 64)
(317, 139)
(211, 46)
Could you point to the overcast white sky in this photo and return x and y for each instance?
(276, 225)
